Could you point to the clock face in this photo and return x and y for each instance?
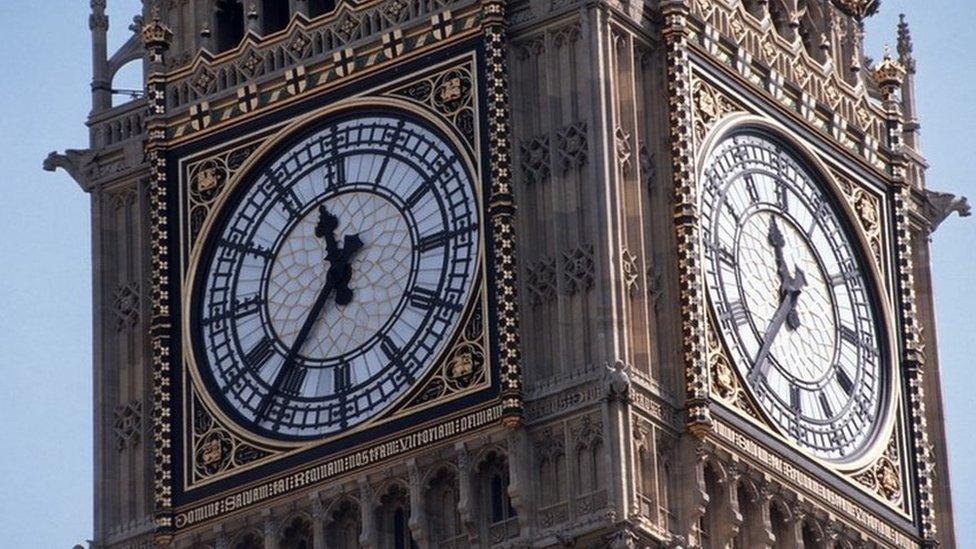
(337, 275)
(788, 290)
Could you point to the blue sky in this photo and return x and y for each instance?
(45, 300)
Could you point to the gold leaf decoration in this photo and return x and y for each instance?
(883, 477)
(710, 107)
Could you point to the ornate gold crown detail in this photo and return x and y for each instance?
(890, 73)
(155, 33)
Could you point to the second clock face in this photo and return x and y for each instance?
(337, 276)
(791, 296)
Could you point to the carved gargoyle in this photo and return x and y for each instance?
(944, 204)
(78, 164)
(617, 381)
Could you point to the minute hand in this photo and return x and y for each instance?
(761, 365)
(289, 368)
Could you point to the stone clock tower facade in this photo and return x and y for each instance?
(479, 273)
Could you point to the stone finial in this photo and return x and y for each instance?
(905, 47)
(890, 74)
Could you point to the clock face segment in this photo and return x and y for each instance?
(338, 276)
(790, 297)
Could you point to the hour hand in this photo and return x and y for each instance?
(775, 238)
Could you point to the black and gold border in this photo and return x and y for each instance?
(189, 145)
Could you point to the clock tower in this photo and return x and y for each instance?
(480, 273)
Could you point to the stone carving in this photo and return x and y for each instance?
(214, 449)
(645, 159)
(578, 269)
(587, 432)
(540, 281)
(80, 164)
(464, 368)
(206, 179)
(535, 159)
(572, 146)
(250, 64)
(128, 425)
(710, 107)
(655, 284)
(630, 271)
(725, 381)
(617, 381)
(621, 140)
(449, 93)
(883, 477)
(125, 305)
(944, 204)
(867, 208)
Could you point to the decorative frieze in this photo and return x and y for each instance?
(541, 281)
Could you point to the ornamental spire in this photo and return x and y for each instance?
(905, 47)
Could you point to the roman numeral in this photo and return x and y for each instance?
(392, 353)
(440, 239)
(825, 406)
(782, 200)
(427, 299)
(246, 248)
(736, 312)
(845, 381)
(418, 193)
(795, 403)
(238, 309)
(723, 254)
(259, 354)
(294, 378)
(850, 335)
(341, 378)
(751, 188)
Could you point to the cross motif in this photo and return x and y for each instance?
(247, 97)
(393, 44)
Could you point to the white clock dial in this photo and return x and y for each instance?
(337, 275)
(793, 304)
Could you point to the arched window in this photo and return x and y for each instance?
(501, 519)
(782, 526)
(230, 24)
(393, 518)
(665, 502)
(710, 521)
(297, 534)
(811, 538)
(443, 499)
(343, 528)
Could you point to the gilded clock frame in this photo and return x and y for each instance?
(495, 395)
(715, 112)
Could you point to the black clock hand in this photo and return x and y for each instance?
(289, 368)
(793, 286)
(776, 239)
(337, 278)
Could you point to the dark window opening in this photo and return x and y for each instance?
(275, 15)
(501, 504)
(320, 7)
(230, 24)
